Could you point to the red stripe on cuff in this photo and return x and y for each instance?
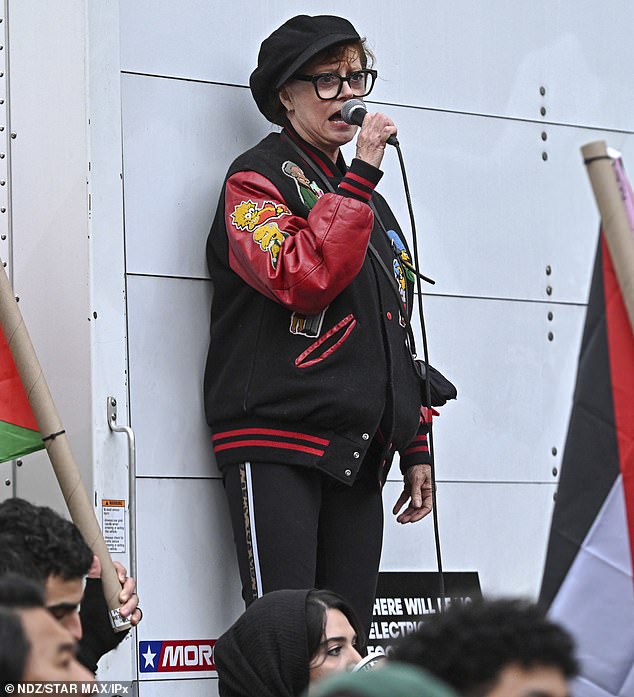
(353, 189)
(360, 180)
(417, 449)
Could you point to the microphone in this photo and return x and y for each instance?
(353, 112)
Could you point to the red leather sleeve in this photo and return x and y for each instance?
(300, 263)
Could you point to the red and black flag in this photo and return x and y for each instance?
(19, 434)
(588, 584)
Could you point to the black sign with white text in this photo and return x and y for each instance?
(404, 599)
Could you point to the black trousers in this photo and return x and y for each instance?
(295, 527)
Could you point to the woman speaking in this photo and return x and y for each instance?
(310, 385)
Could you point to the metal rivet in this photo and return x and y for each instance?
(555, 470)
(544, 135)
(348, 473)
(542, 111)
(14, 135)
(542, 90)
(551, 336)
(555, 496)
(548, 270)
(7, 482)
(356, 454)
(1, 129)
(554, 451)
(3, 237)
(113, 401)
(550, 316)
(2, 182)
(17, 298)
(94, 314)
(549, 290)
(2, 156)
(3, 210)
(366, 436)
(544, 156)
(4, 263)
(18, 463)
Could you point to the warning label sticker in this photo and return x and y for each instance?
(113, 524)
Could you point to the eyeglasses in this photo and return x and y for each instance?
(329, 85)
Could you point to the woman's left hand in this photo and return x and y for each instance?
(417, 488)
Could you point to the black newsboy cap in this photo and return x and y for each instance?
(290, 46)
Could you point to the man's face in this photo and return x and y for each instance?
(62, 598)
(52, 653)
(538, 681)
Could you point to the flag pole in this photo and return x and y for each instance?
(56, 443)
(618, 228)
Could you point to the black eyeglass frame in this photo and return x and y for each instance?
(315, 78)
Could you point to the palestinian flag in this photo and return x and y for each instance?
(588, 585)
(19, 434)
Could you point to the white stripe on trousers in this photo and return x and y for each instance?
(254, 537)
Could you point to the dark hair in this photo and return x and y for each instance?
(468, 646)
(20, 592)
(317, 603)
(14, 647)
(14, 559)
(48, 542)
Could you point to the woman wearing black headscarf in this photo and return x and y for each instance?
(310, 385)
(285, 642)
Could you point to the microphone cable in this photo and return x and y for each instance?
(430, 437)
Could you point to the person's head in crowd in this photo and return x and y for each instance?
(388, 680)
(34, 647)
(496, 648)
(334, 635)
(53, 548)
(286, 641)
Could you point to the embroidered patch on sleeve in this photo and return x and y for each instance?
(258, 220)
(308, 191)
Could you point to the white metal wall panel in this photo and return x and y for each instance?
(514, 389)
(49, 213)
(179, 139)
(169, 336)
(514, 386)
(491, 213)
(187, 567)
(489, 58)
(499, 530)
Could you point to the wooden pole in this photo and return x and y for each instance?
(612, 197)
(56, 444)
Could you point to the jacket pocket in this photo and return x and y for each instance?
(328, 343)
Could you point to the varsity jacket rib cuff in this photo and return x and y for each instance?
(359, 181)
(417, 452)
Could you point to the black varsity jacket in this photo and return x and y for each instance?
(309, 362)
